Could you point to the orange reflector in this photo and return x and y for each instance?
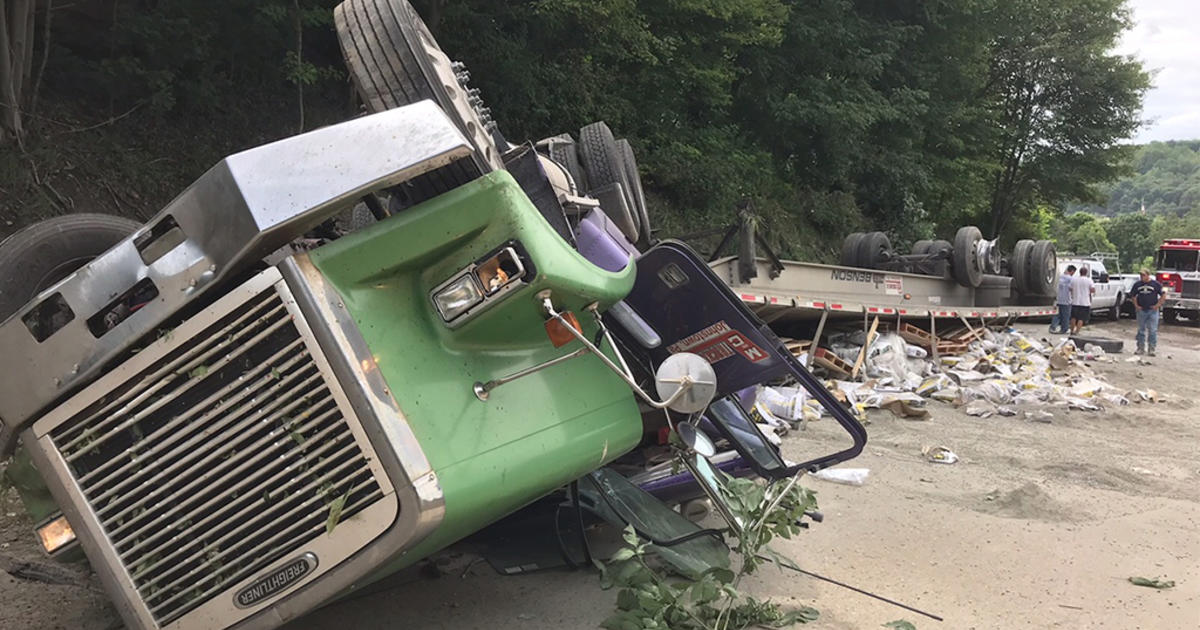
(558, 333)
(56, 534)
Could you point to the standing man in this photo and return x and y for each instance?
(1059, 325)
(1082, 290)
(1148, 298)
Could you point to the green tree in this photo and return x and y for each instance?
(1063, 101)
(1130, 233)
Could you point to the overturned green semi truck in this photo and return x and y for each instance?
(240, 411)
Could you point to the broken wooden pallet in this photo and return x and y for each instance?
(832, 362)
(797, 347)
(963, 335)
(917, 336)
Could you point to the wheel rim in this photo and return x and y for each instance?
(60, 271)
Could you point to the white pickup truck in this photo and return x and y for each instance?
(1111, 291)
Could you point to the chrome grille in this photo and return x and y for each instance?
(220, 459)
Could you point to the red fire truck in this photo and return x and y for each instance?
(1178, 264)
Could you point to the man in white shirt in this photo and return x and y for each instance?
(1082, 290)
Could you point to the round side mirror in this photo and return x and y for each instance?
(686, 382)
(695, 440)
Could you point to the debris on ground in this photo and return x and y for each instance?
(986, 373)
(847, 476)
(1155, 583)
(939, 455)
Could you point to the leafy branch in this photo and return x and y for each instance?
(650, 598)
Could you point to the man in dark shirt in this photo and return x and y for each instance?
(1148, 298)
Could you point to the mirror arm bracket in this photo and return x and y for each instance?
(483, 390)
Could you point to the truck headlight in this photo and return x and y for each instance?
(457, 296)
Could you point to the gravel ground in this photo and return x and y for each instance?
(1039, 525)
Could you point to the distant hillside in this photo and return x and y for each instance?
(1166, 180)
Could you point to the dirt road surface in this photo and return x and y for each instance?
(1039, 525)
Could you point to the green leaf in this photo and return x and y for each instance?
(335, 512)
(630, 536)
(1155, 583)
(900, 624)
(198, 371)
(721, 574)
(622, 555)
(627, 599)
(615, 622)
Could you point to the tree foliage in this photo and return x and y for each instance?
(1166, 180)
(912, 116)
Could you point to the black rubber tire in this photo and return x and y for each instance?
(873, 249)
(602, 162)
(36, 257)
(1114, 313)
(920, 248)
(1019, 265)
(1170, 316)
(629, 160)
(968, 266)
(381, 44)
(1111, 346)
(1042, 274)
(849, 256)
(564, 151)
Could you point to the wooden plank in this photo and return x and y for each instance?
(862, 354)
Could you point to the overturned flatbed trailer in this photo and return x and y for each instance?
(793, 291)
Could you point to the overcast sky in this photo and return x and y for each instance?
(1166, 37)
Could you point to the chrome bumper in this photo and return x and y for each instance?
(247, 206)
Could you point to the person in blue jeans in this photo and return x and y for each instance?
(1148, 298)
(1060, 322)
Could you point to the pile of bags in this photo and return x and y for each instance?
(999, 372)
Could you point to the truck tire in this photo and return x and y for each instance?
(36, 257)
(639, 195)
(1043, 269)
(602, 162)
(1114, 313)
(943, 249)
(850, 250)
(1020, 266)
(1111, 346)
(562, 149)
(1170, 315)
(873, 250)
(968, 265)
(32, 260)
(394, 61)
(920, 248)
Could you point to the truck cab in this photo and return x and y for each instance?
(1178, 269)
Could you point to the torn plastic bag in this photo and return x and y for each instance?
(933, 384)
(963, 377)
(1114, 398)
(847, 476)
(1087, 387)
(979, 409)
(1083, 404)
(995, 391)
(947, 394)
(785, 402)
